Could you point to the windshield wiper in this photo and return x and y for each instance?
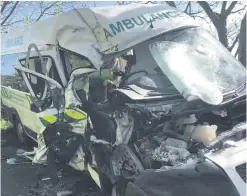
(235, 93)
(239, 89)
(157, 93)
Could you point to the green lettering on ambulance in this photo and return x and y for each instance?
(162, 15)
(117, 29)
(154, 17)
(141, 22)
(107, 33)
(173, 14)
(128, 24)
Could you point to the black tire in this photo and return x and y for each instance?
(3, 115)
(20, 131)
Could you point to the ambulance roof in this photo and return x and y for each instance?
(106, 29)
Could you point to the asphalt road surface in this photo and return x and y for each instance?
(21, 179)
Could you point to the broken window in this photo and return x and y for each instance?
(9, 76)
(39, 85)
(48, 69)
(73, 61)
(155, 79)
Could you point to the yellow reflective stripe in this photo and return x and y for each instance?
(29, 99)
(8, 93)
(4, 92)
(75, 114)
(49, 119)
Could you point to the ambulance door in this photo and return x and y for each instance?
(43, 82)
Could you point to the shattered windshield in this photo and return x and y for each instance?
(198, 66)
(189, 61)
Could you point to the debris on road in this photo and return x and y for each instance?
(63, 193)
(20, 151)
(14, 161)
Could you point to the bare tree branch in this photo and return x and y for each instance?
(123, 2)
(9, 24)
(233, 12)
(187, 7)
(10, 13)
(198, 12)
(242, 42)
(223, 7)
(47, 8)
(5, 3)
(234, 43)
(213, 3)
(205, 6)
(197, 16)
(146, 2)
(218, 20)
(230, 8)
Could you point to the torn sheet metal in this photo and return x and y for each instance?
(93, 139)
(77, 161)
(39, 154)
(64, 193)
(125, 126)
(79, 79)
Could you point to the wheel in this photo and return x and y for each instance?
(3, 116)
(20, 131)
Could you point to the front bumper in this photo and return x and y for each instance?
(230, 160)
(218, 174)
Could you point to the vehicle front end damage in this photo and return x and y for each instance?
(203, 170)
(150, 153)
(193, 155)
(187, 140)
(169, 131)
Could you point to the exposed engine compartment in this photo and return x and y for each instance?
(159, 151)
(161, 143)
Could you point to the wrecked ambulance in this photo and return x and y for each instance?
(173, 123)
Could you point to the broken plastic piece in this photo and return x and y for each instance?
(63, 193)
(20, 151)
(204, 133)
(14, 161)
(48, 178)
(98, 141)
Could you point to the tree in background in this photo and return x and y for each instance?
(241, 51)
(15, 13)
(222, 18)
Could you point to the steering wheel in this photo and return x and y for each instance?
(126, 77)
